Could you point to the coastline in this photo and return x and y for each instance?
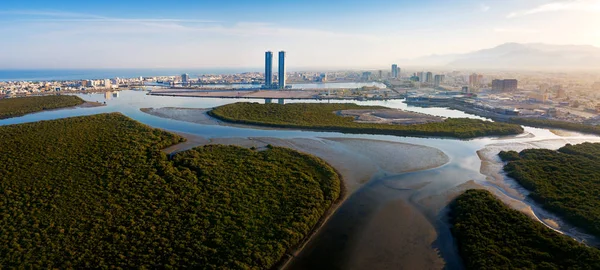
(510, 192)
(86, 104)
(354, 166)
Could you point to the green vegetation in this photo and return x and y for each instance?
(322, 117)
(566, 182)
(545, 123)
(13, 107)
(98, 192)
(490, 235)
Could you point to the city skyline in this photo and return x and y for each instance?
(111, 34)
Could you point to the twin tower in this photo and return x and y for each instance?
(269, 71)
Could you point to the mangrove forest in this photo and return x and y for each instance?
(566, 182)
(14, 107)
(490, 235)
(98, 192)
(321, 116)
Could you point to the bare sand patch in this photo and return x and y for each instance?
(198, 116)
(396, 237)
(396, 157)
(390, 116)
(357, 160)
(565, 133)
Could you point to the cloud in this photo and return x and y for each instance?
(110, 20)
(572, 5)
(484, 8)
(72, 24)
(516, 30)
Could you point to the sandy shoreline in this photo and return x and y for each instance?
(513, 194)
(358, 162)
(361, 163)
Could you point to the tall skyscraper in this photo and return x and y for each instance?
(505, 85)
(185, 78)
(269, 70)
(438, 80)
(394, 71)
(429, 77)
(474, 80)
(281, 75)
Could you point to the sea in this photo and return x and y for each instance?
(95, 74)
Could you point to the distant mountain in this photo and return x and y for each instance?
(520, 56)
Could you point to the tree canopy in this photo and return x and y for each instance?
(490, 235)
(14, 107)
(98, 192)
(566, 182)
(321, 116)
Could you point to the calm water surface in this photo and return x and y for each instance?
(464, 162)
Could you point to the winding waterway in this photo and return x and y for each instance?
(391, 220)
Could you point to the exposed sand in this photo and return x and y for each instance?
(397, 236)
(357, 160)
(565, 133)
(389, 116)
(198, 116)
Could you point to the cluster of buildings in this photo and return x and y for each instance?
(20, 88)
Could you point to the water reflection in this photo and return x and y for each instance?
(424, 190)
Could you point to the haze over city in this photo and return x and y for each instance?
(317, 34)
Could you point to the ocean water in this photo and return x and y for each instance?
(94, 74)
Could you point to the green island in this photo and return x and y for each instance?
(490, 235)
(321, 116)
(547, 123)
(565, 182)
(98, 192)
(14, 107)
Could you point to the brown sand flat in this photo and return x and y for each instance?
(396, 157)
(390, 116)
(198, 116)
(397, 237)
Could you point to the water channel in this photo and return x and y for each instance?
(392, 220)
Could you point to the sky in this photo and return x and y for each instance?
(59, 34)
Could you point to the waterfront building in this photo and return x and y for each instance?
(474, 80)
(282, 75)
(421, 76)
(439, 79)
(323, 77)
(366, 76)
(429, 77)
(268, 70)
(107, 84)
(509, 85)
(185, 78)
(394, 71)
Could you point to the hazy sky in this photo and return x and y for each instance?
(316, 33)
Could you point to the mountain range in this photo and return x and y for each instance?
(519, 56)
